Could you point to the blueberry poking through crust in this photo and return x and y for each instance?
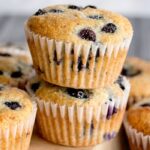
(5, 55)
(13, 105)
(56, 11)
(91, 6)
(78, 93)
(80, 64)
(87, 34)
(130, 71)
(97, 17)
(1, 72)
(145, 105)
(16, 74)
(74, 7)
(58, 61)
(109, 28)
(40, 12)
(120, 82)
(35, 86)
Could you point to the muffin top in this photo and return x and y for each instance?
(12, 71)
(11, 50)
(139, 117)
(80, 97)
(15, 107)
(138, 72)
(81, 25)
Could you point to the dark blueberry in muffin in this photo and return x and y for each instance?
(97, 17)
(74, 7)
(80, 64)
(109, 112)
(145, 105)
(5, 55)
(35, 86)
(98, 53)
(58, 62)
(91, 6)
(78, 93)
(1, 72)
(87, 34)
(13, 105)
(114, 110)
(16, 74)
(91, 128)
(109, 136)
(40, 12)
(56, 11)
(120, 82)
(109, 28)
(130, 71)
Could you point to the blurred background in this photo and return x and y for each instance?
(13, 14)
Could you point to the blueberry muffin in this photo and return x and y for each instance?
(14, 72)
(20, 53)
(138, 72)
(33, 85)
(17, 115)
(81, 117)
(78, 47)
(137, 125)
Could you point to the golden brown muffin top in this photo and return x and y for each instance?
(80, 97)
(15, 107)
(138, 73)
(20, 53)
(139, 117)
(80, 25)
(13, 70)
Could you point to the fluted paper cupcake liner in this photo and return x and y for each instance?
(137, 140)
(18, 136)
(80, 125)
(73, 65)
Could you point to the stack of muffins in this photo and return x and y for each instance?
(78, 54)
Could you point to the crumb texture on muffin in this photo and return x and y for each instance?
(80, 25)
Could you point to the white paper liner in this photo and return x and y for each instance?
(138, 139)
(17, 137)
(80, 126)
(99, 74)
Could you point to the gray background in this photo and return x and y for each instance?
(11, 30)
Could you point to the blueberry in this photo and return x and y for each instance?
(1, 72)
(120, 82)
(16, 74)
(87, 34)
(35, 86)
(97, 17)
(74, 7)
(109, 28)
(58, 62)
(80, 64)
(109, 136)
(91, 128)
(98, 53)
(115, 110)
(109, 112)
(130, 71)
(145, 105)
(40, 12)
(5, 55)
(13, 105)
(56, 11)
(78, 93)
(91, 6)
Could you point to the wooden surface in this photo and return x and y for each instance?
(11, 30)
(119, 143)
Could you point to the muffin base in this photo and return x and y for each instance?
(81, 68)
